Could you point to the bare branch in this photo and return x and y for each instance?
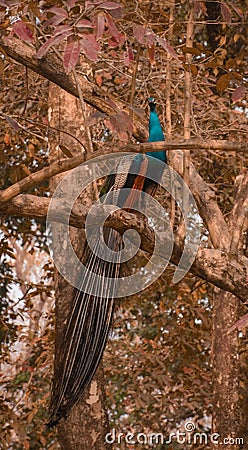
(191, 144)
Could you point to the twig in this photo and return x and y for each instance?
(188, 92)
(87, 128)
(187, 121)
(133, 84)
(45, 127)
(5, 117)
(168, 106)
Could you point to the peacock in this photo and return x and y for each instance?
(89, 322)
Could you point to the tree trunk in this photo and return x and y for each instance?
(227, 414)
(87, 423)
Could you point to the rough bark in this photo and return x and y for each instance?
(229, 419)
(225, 352)
(87, 424)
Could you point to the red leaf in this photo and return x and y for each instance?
(149, 37)
(113, 29)
(71, 54)
(139, 33)
(58, 11)
(12, 122)
(226, 12)
(23, 31)
(115, 11)
(100, 25)
(110, 5)
(128, 56)
(50, 42)
(200, 7)
(238, 94)
(90, 5)
(98, 79)
(61, 29)
(112, 43)
(238, 11)
(84, 23)
(55, 20)
(95, 118)
(163, 42)
(70, 4)
(90, 47)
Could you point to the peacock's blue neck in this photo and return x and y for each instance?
(155, 135)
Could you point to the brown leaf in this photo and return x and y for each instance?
(223, 82)
(65, 150)
(191, 50)
(151, 54)
(238, 94)
(21, 29)
(238, 11)
(71, 55)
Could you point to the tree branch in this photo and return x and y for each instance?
(238, 219)
(228, 272)
(52, 69)
(34, 178)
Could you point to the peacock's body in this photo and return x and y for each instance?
(91, 314)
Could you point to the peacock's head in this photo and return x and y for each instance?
(152, 103)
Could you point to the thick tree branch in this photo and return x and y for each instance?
(229, 272)
(52, 69)
(67, 164)
(38, 177)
